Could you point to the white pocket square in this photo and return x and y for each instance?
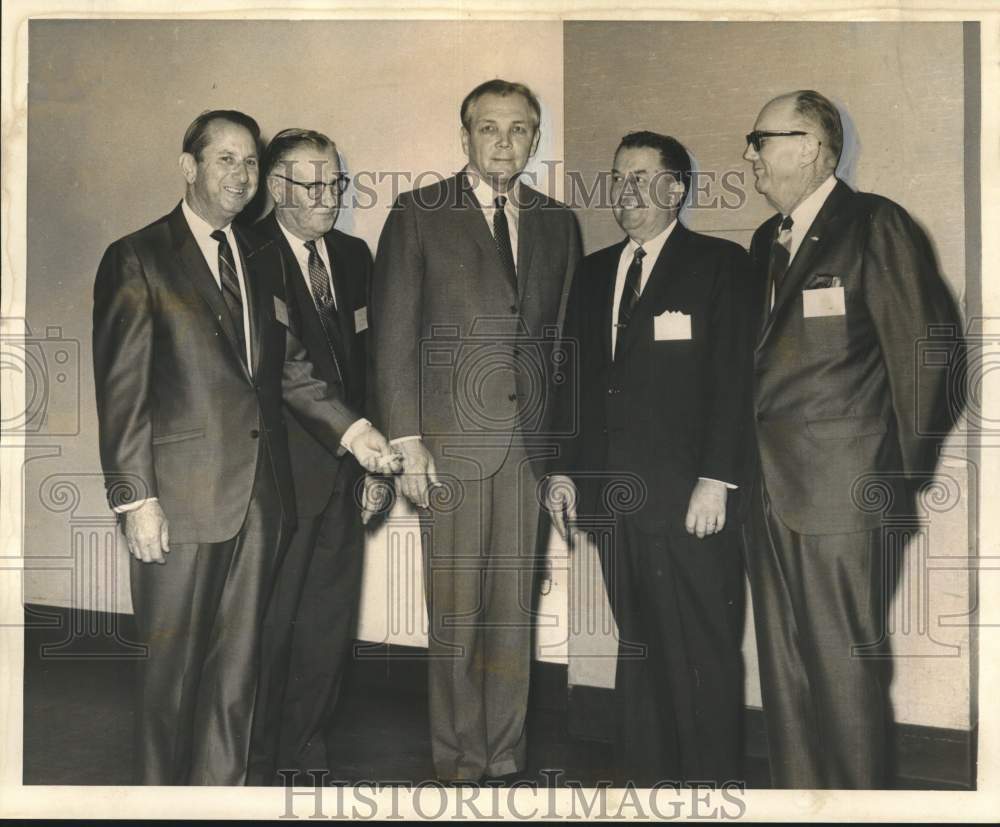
(671, 326)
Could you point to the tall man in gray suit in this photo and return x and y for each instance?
(470, 279)
(847, 287)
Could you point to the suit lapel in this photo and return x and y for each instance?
(611, 269)
(528, 220)
(345, 303)
(196, 270)
(659, 280)
(816, 239)
(251, 283)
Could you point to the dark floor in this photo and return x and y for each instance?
(78, 715)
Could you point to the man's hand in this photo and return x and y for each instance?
(147, 533)
(378, 496)
(707, 509)
(374, 453)
(560, 502)
(419, 473)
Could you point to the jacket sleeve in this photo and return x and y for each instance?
(397, 284)
(567, 382)
(123, 361)
(907, 297)
(729, 370)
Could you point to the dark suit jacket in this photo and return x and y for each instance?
(180, 416)
(462, 357)
(840, 398)
(662, 413)
(314, 470)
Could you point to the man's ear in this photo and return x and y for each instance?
(275, 190)
(810, 149)
(189, 167)
(464, 134)
(534, 142)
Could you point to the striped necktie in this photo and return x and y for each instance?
(230, 284)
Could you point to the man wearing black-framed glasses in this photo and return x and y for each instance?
(311, 618)
(848, 286)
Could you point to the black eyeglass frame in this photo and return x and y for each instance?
(754, 138)
(315, 189)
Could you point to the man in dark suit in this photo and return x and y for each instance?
(193, 359)
(658, 333)
(847, 286)
(470, 277)
(311, 618)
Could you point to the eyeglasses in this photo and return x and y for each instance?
(755, 138)
(315, 189)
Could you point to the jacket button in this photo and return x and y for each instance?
(513, 308)
(254, 434)
(512, 397)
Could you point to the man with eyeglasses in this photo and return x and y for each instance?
(194, 359)
(310, 621)
(847, 288)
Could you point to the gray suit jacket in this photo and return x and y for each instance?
(461, 356)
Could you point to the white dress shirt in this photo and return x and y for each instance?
(653, 248)
(486, 195)
(202, 232)
(805, 213)
(301, 253)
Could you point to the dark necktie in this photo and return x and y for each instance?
(780, 254)
(630, 295)
(319, 280)
(501, 234)
(230, 283)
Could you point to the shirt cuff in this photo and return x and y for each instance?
(356, 428)
(124, 509)
(399, 439)
(728, 485)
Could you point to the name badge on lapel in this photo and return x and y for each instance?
(823, 301)
(672, 326)
(280, 311)
(361, 320)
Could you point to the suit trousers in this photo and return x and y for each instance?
(678, 603)
(199, 614)
(816, 599)
(480, 563)
(307, 635)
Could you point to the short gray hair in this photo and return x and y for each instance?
(818, 110)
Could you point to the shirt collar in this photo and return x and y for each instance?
(485, 194)
(805, 213)
(294, 241)
(654, 245)
(201, 229)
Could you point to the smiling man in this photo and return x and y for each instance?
(311, 618)
(193, 359)
(662, 347)
(848, 286)
(469, 278)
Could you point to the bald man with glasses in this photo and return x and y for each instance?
(848, 286)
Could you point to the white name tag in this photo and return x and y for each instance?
(280, 311)
(671, 326)
(360, 319)
(825, 301)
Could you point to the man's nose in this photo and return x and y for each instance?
(750, 154)
(504, 139)
(329, 197)
(242, 172)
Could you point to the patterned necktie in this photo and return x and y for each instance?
(630, 295)
(319, 280)
(781, 250)
(501, 234)
(230, 285)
